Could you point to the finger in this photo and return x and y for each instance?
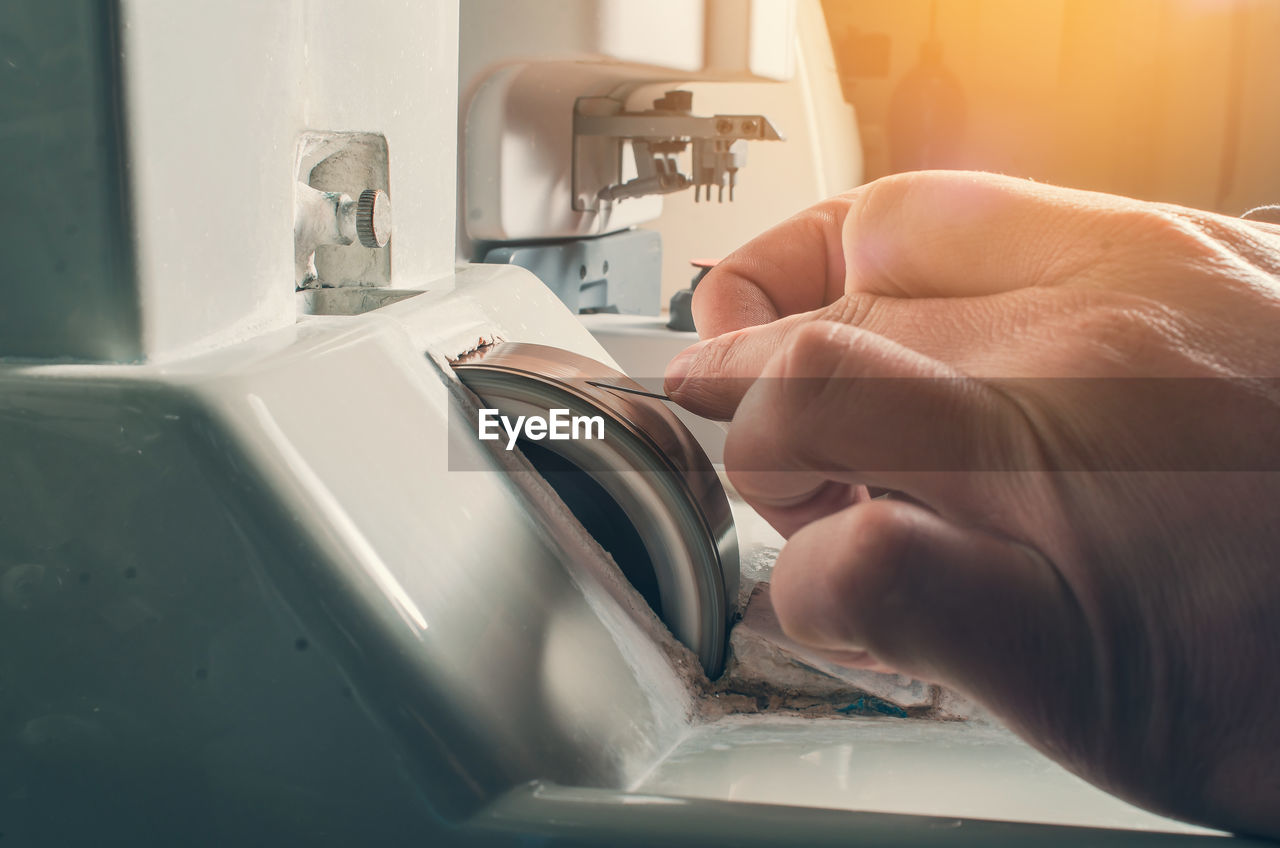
(845, 406)
(980, 336)
(797, 498)
(920, 234)
(710, 377)
(981, 614)
(794, 267)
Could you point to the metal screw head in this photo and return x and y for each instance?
(373, 218)
(724, 126)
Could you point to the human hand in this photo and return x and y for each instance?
(1072, 399)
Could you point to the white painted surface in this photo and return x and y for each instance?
(518, 164)
(217, 94)
(655, 32)
(771, 50)
(659, 37)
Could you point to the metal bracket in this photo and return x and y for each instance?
(602, 131)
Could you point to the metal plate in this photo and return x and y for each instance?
(649, 465)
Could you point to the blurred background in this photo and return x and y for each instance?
(1174, 100)
(1169, 100)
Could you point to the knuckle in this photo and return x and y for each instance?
(1236, 255)
(807, 386)
(1149, 227)
(1118, 335)
(1127, 336)
(855, 310)
(713, 358)
(812, 350)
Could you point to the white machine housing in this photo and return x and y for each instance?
(523, 69)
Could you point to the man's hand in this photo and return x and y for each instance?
(1072, 401)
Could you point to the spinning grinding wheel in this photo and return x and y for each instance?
(646, 491)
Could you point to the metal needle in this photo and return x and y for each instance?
(629, 390)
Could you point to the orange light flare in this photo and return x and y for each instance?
(1161, 99)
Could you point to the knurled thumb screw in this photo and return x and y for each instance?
(373, 218)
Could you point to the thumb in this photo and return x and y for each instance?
(980, 614)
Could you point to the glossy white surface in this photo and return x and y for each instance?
(474, 617)
(954, 769)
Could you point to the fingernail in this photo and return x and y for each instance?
(678, 369)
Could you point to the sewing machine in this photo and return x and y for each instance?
(261, 579)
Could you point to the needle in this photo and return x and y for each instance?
(628, 390)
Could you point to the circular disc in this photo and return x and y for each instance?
(649, 464)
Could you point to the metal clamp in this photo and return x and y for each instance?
(657, 136)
